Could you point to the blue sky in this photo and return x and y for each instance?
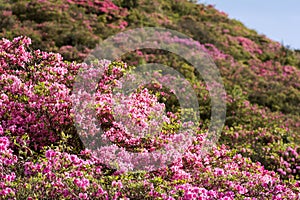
(277, 19)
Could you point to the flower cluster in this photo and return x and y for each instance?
(34, 92)
(7, 160)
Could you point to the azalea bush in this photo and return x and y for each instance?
(69, 131)
(42, 154)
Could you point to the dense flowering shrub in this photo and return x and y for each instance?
(221, 175)
(7, 160)
(34, 92)
(37, 158)
(42, 150)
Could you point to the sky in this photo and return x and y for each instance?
(277, 19)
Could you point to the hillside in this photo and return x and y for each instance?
(257, 154)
